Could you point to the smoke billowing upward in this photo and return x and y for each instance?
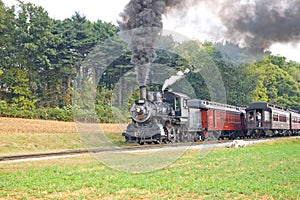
(260, 23)
(142, 24)
(256, 24)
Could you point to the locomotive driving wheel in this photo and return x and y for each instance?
(184, 134)
(176, 135)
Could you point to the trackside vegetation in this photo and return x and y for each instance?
(261, 171)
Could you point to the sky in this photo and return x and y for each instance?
(197, 23)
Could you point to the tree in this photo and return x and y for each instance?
(7, 48)
(79, 37)
(197, 59)
(274, 84)
(35, 46)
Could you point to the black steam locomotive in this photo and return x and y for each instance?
(173, 117)
(159, 117)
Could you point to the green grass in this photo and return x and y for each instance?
(264, 171)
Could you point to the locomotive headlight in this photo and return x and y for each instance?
(138, 110)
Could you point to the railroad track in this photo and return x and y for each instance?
(109, 149)
(41, 155)
(73, 152)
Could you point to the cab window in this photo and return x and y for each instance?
(176, 104)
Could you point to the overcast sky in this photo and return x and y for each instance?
(109, 11)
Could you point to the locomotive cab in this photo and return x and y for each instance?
(178, 103)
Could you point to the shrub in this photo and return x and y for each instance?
(62, 114)
(28, 114)
(3, 108)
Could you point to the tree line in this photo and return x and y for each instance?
(41, 57)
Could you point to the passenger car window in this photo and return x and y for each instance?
(275, 117)
(267, 116)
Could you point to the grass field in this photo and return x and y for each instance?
(18, 136)
(32, 126)
(265, 171)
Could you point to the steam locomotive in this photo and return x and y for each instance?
(172, 117)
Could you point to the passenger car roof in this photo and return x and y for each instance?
(264, 106)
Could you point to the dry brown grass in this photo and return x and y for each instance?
(33, 126)
(42, 164)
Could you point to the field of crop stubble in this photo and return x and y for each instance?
(19, 136)
(262, 171)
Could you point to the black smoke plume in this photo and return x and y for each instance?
(255, 24)
(260, 23)
(141, 27)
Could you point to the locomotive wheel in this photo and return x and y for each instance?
(184, 132)
(141, 143)
(176, 136)
(176, 139)
(202, 136)
(158, 140)
(197, 136)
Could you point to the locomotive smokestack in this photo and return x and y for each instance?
(143, 92)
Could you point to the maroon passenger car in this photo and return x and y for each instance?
(221, 120)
